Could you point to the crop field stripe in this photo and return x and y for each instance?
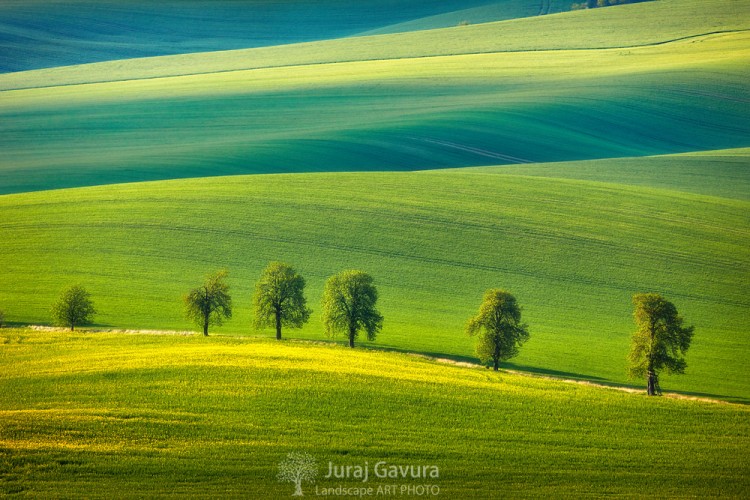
(383, 115)
(365, 60)
(680, 18)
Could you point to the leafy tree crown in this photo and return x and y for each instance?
(210, 302)
(498, 326)
(660, 341)
(74, 307)
(280, 290)
(348, 306)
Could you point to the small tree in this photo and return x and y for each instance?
(279, 298)
(659, 342)
(210, 303)
(498, 325)
(73, 308)
(349, 306)
(298, 467)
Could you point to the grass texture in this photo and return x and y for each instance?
(100, 415)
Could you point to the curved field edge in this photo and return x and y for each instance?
(640, 24)
(725, 173)
(109, 413)
(38, 34)
(572, 251)
(413, 114)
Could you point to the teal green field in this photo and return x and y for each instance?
(494, 93)
(574, 157)
(41, 34)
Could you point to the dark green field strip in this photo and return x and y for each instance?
(39, 34)
(492, 12)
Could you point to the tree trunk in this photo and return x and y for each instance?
(651, 383)
(352, 333)
(278, 324)
(72, 327)
(205, 328)
(496, 363)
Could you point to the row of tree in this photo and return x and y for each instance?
(349, 307)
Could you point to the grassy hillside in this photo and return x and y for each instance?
(39, 34)
(161, 416)
(715, 173)
(400, 114)
(615, 27)
(573, 251)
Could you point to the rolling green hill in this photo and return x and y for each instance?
(724, 173)
(573, 251)
(396, 114)
(573, 158)
(163, 416)
(624, 26)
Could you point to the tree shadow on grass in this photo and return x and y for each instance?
(554, 374)
(618, 385)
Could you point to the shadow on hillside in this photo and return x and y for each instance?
(452, 357)
(617, 385)
(555, 374)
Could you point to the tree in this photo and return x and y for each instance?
(279, 298)
(498, 325)
(659, 341)
(210, 303)
(349, 306)
(73, 308)
(298, 467)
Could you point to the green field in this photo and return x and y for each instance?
(144, 416)
(572, 158)
(390, 107)
(573, 251)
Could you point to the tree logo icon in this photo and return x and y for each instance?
(298, 468)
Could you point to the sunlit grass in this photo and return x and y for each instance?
(215, 415)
